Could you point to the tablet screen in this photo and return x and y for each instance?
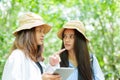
(64, 72)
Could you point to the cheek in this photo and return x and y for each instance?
(72, 42)
(64, 42)
(37, 37)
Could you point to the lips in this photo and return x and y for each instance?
(67, 45)
(41, 39)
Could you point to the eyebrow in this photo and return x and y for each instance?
(40, 28)
(69, 34)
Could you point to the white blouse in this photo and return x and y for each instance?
(20, 67)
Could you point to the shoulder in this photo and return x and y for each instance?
(13, 64)
(15, 59)
(16, 55)
(94, 61)
(92, 57)
(97, 72)
(17, 52)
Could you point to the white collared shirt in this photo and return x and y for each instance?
(20, 67)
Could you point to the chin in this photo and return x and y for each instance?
(40, 43)
(67, 48)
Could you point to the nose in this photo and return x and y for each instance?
(43, 34)
(67, 39)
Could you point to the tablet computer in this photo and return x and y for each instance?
(64, 72)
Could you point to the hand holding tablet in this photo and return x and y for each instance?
(64, 72)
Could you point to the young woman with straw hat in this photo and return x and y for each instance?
(26, 60)
(76, 54)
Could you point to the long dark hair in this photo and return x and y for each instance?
(82, 57)
(26, 41)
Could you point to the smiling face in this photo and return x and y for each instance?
(40, 34)
(68, 39)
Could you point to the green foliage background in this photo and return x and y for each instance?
(101, 19)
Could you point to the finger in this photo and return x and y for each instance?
(54, 77)
(59, 52)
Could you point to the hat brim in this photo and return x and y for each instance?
(60, 32)
(28, 26)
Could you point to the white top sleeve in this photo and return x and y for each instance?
(50, 69)
(98, 74)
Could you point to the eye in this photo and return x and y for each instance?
(64, 36)
(71, 36)
(40, 30)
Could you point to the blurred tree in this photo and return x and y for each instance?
(101, 19)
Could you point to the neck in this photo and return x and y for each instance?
(72, 57)
(71, 54)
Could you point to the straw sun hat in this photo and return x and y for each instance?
(30, 20)
(73, 24)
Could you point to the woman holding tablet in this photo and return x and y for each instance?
(76, 54)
